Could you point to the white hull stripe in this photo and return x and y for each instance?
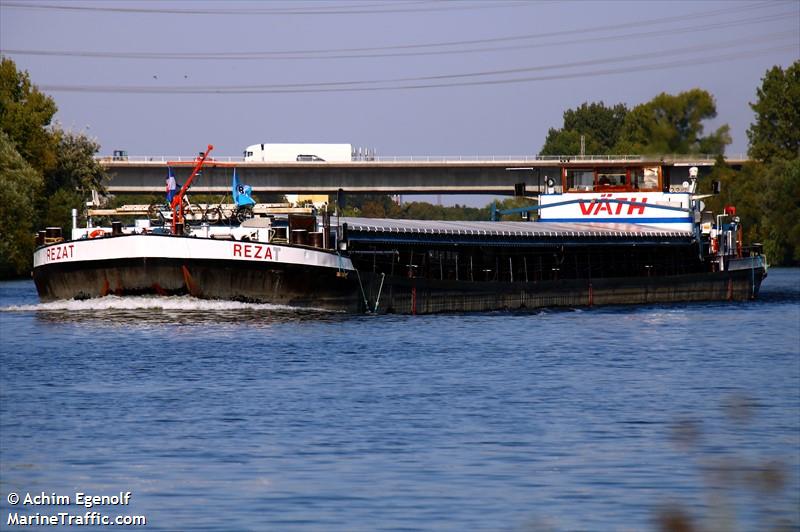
(188, 248)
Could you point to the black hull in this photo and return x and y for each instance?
(421, 296)
(275, 283)
(326, 288)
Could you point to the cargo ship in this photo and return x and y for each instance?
(598, 235)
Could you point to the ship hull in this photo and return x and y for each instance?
(421, 296)
(204, 268)
(280, 284)
(300, 276)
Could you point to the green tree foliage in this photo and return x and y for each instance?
(775, 134)
(767, 199)
(781, 220)
(56, 209)
(19, 186)
(70, 183)
(742, 189)
(673, 124)
(44, 172)
(600, 126)
(369, 206)
(766, 192)
(25, 113)
(562, 142)
(382, 206)
(118, 200)
(418, 210)
(76, 169)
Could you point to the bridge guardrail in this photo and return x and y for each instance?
(441, 158)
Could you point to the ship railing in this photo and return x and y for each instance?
(704, 158)
(753, 250)
(160, 159)
(502, 158)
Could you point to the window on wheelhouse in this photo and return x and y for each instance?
(579, 179)
(645, 178)
(611, 177)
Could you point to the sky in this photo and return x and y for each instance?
(404, 78)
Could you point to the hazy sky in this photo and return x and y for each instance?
(402, 77)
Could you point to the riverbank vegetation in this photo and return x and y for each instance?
(45, 171)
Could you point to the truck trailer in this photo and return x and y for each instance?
(298, 153)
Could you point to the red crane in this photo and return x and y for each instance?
(177, 201)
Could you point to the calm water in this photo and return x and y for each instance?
(223, 416)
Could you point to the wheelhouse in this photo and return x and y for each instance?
(627, 178)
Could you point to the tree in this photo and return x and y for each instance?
(600, 126)
(25, 114)
(70, 183)
(742, 189)
(767, 199)
(673, 124)
(44, 172)
(561, 142)
(771, 184)
(775, 134)
(781, 212)
(19, 186)
(76, 169)
(373, 209)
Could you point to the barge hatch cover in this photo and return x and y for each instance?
(504, 233)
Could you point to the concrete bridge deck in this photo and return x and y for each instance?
(389, 175)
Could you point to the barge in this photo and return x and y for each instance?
(604, 236)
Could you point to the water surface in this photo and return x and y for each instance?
(228, 416)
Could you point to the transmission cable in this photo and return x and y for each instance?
(356, 9)
(312, 54)
(321, 88)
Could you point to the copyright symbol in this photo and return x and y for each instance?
(13, 498)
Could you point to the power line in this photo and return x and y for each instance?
(538, 68)
(321, 88)
(236, 57)
(589, 62)
(356, 9)
(331, 54)
(538, 35)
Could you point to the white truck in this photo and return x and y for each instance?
(298, 152)
(301, 153)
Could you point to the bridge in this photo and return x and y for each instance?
(386, 175)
